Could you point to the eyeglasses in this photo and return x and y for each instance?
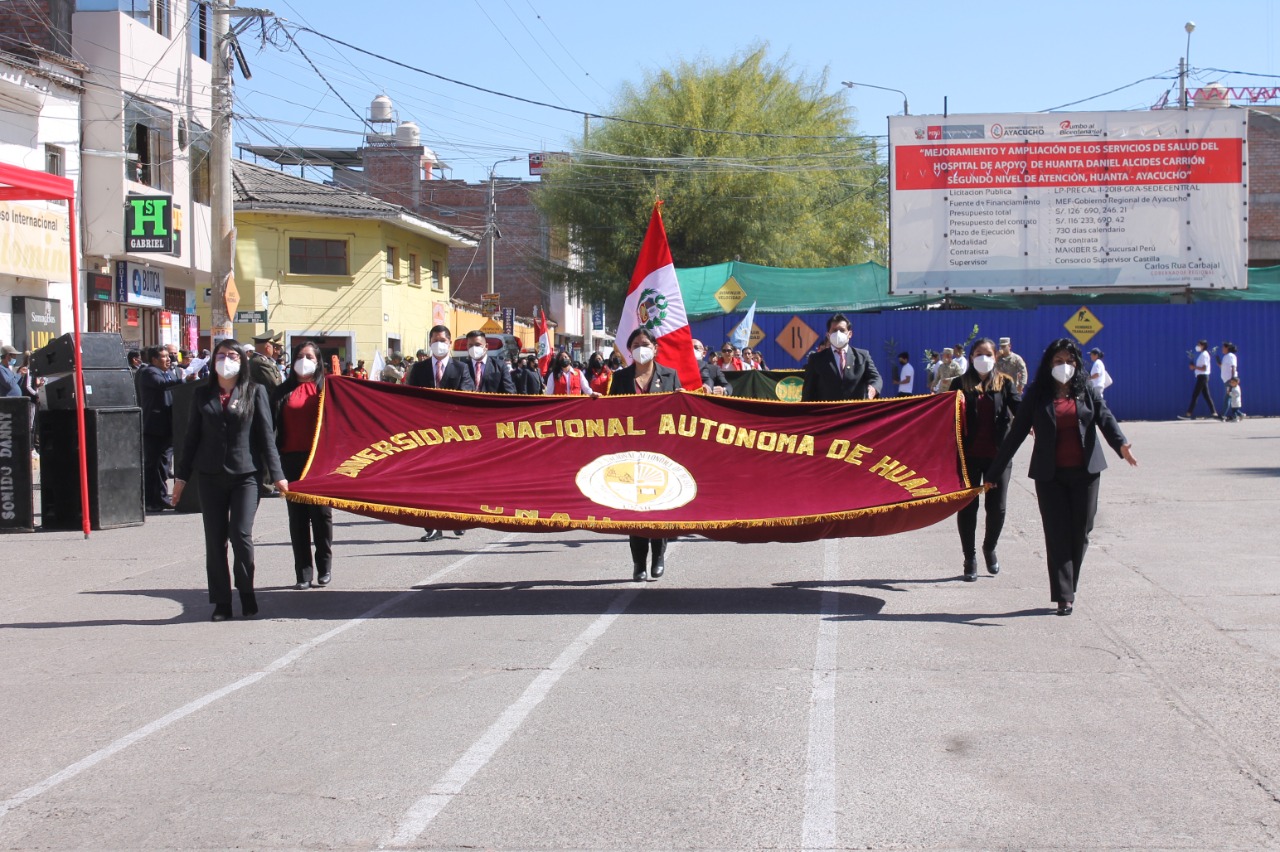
(727, 351)
(228, 356)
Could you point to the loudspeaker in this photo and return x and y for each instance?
(114, 451)
(102, 389)
(17, 499)
(101, 351)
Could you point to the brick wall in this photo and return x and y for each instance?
(1264, 186)
(394, 174)
(46, 24)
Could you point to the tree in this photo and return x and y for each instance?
(753, 163)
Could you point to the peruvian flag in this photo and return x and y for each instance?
(544, 341)
(655, 304)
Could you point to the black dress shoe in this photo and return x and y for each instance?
(459, 533)
(993, 561)
(221, 612)
(302, 585)
(1064, 608)
(970, 569)
(638, 572)
(432, 535)
(323, 579)
(658, 568)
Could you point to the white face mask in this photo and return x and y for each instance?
(642, 354)
(304, 367)
(440, 348)
(838, 339)
(227, 368)
(478, 352)
(1064, 372)
(1199, 348)
(984, 364)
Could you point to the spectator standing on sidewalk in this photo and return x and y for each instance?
(1201, 388)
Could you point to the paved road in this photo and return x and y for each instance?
(516, 691)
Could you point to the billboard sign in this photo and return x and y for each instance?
(1056, 201)
(139, 284)
(148, 224)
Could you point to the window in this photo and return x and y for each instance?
(55, 160)
(415, 273)
(437, 276)
(393, 263)
(160, 19)
(317, 257)
(148, 134)
(201, 175)
(200, 30)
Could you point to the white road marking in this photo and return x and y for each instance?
(821, 787)
(200, 703)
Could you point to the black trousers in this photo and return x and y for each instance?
(996, 499)
(308, 525)
(640, 547)
(1201, 389)
(228, 503)
(1068, 503)
(156, 453)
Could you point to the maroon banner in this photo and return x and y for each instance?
(653, 464)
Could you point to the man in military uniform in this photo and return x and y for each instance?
(1011, 364)
(947, 370)
(263, 368)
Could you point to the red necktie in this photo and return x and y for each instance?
(479, 373)
(840, 361)
(439, 371)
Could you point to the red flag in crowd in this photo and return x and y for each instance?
(544, 341)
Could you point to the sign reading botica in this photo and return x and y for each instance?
(148, 224)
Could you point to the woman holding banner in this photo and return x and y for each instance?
(990, 404)
(296, 403)
(1066, 462)
(645, 375)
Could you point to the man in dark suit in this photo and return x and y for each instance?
(441, 370)
(153, 382)
(839, 371)
(490, 372)
(713, 379)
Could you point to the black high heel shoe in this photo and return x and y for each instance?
(1064, 608)
(993, 561)
(638, 572)
(658, 566)
(970, 569)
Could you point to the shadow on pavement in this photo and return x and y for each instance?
(1252, 471)
(973, 619)
(475, 600)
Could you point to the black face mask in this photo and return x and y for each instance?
(564, 364)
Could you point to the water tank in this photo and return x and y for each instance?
(407, 135)
(1213, 96)
(381, 109)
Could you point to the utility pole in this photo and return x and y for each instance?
(491, 218)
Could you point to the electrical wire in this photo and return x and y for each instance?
(1158, 76)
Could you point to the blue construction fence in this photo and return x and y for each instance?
(1148, 347)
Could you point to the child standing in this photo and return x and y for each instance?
(1234, 412)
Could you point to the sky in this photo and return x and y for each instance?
(981, 57)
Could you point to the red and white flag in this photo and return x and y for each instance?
(654, 303)
(544, 341)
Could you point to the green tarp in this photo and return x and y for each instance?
(778, 385)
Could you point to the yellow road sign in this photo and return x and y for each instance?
(1083, 325)
(730, 294)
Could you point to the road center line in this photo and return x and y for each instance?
(203, 701)
(821, 788)
(426, 809)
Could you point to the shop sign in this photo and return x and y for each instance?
(137, 284)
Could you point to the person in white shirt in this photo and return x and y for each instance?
(1201, 370)
(906, 374)
(960, 359)
(1098, 375)
(1228, 368)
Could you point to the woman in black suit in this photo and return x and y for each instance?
(1066, 459)
(229, 442)
(990, 404)
(296, 405)
(645, 375)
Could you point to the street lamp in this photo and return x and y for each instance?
(906, 110)
(1185, 63)
(492, 220)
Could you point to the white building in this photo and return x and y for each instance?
(145, 118)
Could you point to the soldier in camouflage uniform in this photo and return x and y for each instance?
(948, 370)
(1011, 364)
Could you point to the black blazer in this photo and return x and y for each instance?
(456, 375)
(1036, 411)
(497, 375)
(1006, 405)
(823, 381)
(157, 413)
(220, 441)
(624, 380)
(713, 376)
(527, 381)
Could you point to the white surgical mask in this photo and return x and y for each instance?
(1064, 372)
(305, 368)
(838, 339)
(227, 368)
(984, 364)
(478, 352)
(642, 354)
(1199, 348)
(440, 349)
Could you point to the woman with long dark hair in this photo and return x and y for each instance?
(296, 403)
(990, 405)
(644, 375)
(229, 442)
(598, 375)
(1066, 460)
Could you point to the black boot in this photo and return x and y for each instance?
(970, 568)
(639, 550)
(993, 561)
(659, 565)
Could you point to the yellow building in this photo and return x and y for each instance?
(346, 270)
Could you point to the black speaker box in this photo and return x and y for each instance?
(102, 389)
(102, 351)
(17, 500)
(114, 450)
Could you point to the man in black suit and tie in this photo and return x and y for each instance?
(441, 370)
(840, 371)
(490, 372)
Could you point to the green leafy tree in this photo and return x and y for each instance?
(753, 163)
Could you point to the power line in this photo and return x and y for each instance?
(1159, 76)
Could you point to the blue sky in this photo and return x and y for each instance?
(982, 56)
